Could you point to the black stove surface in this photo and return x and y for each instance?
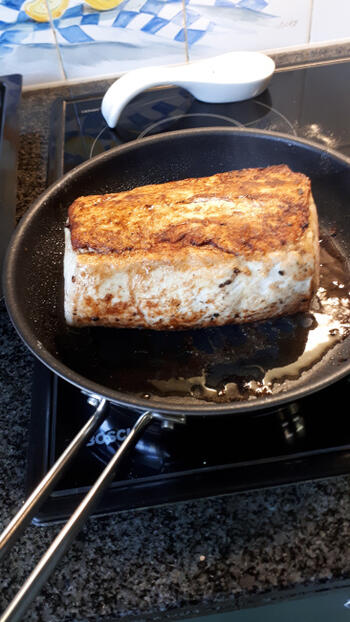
(308, 102)
(208, 456)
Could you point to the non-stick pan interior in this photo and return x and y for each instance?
(192, 371)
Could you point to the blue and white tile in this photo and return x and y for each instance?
(219, 26)
(136, 33)
(330, 21)
(27, 47)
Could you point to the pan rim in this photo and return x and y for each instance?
(203, 408)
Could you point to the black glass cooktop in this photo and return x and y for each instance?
(311, 103)
(213, 456)
(207, 456)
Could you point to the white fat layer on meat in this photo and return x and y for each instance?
(249, 292)
(87, 283)
(232, 289)
(117, 285)
(70, 268)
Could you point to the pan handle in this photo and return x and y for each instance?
(19, 605)
(43, 489)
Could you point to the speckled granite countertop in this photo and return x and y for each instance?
(184, 559)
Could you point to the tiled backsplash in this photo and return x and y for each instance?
(52, 40)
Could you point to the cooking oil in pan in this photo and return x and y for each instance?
(276, 350)
(221, 364)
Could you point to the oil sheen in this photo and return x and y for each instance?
(270, 352)
(221, 364)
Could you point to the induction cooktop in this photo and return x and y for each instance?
(302, 440)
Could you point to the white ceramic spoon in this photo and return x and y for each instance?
(229, 77)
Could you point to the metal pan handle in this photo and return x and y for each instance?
(19, 605)
(14, 529)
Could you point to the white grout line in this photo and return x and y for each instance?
(310, 20)
(58, 50)
(184, 17)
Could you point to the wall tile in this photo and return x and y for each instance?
(217, 26)
(27, 46)
(135, 33)
(330, 20)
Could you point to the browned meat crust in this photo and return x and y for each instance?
(245, 212)
(234, 247)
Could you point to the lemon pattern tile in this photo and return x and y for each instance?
(42, 10)
(22, 43)
(123, 33)
(99, 38)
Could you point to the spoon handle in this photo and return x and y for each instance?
(128, 86)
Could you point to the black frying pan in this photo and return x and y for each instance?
(129, 366)
(118, 364)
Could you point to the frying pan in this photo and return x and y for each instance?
(100, 361)
(116, 365)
